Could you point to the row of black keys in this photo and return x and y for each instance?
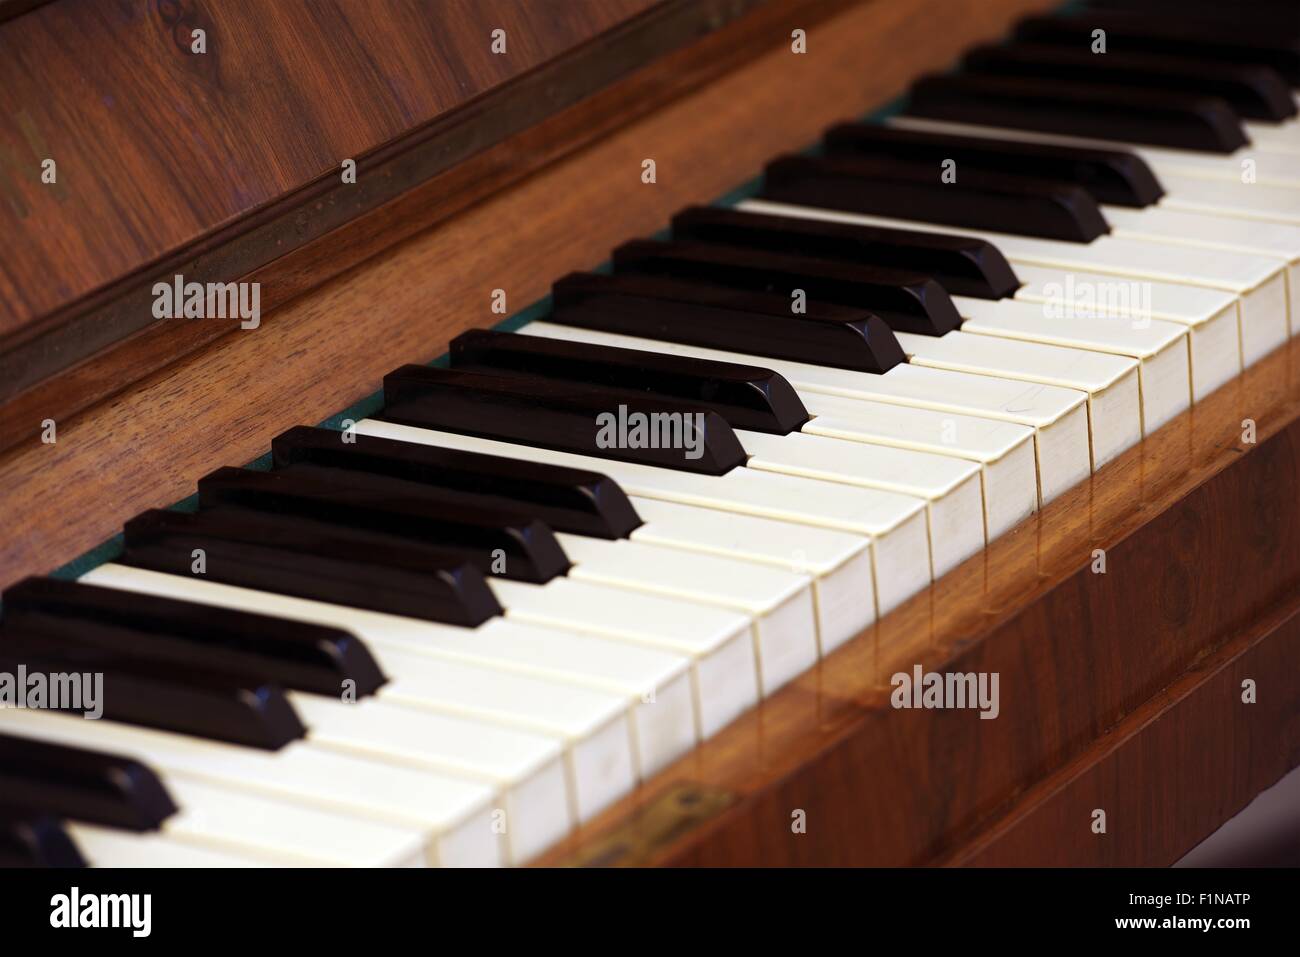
(1178, 73)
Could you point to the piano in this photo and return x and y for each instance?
(723, 433)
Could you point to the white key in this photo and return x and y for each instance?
(1004, 450)
(1272, 240)
(227, 818)
(1111, 382)
(454, 815)
(527, 768)
(1251, 201)
(1210, 315)
(1275, 137)
(1058, 416)
(1203, 182)
(1258, 282)
(780, 602)
(110, 847)
(950, 486)
(657, 684)
(1164, 370)
(720, 642)
(894, 523)
(838, 562)
(594, 725)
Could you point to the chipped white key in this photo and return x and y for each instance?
(1058, 416)
(780, 602)
(110, 847)
(895, 524)
(454, 815)
(526, 768)
(1111, 382)
(656, 684)
(1211, 315)
(1004, 450)
(949, 486)
(1161, 348)
(1258, 282)
(594, 725)
(839, 563)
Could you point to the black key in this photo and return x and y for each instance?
(964, 266)
(746, 396)
(328, 563)
(83, 785)
(1110, 176)
(907, 301)
(568, 500)
(980, 200)
(1267, 44)
(1255, 92)
(33, 838)
(397, 514)
(1282, 14)
(294, 654)
(158, 694)
(1160, 118)
(718, 317)
(603, 422)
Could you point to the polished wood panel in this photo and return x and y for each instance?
(157, 145)
(1201, 533)
(327, 348)
(310, 236)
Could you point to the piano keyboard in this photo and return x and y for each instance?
(470, 623)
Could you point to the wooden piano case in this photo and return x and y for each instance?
(1121, 691)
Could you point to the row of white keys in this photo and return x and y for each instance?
(1162, 349)
(1003, 450)
(950, 486)
(1194, 181)
(894, 524)
(1111, 382)
(780, 602)
(1259, 283)
(1211, 316)
(839, 563)
(655, 685)
(1058, 416)
(453, 817)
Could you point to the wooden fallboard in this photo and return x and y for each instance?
(1119, 691)
(215, 164)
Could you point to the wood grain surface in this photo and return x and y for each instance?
(105, 342)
